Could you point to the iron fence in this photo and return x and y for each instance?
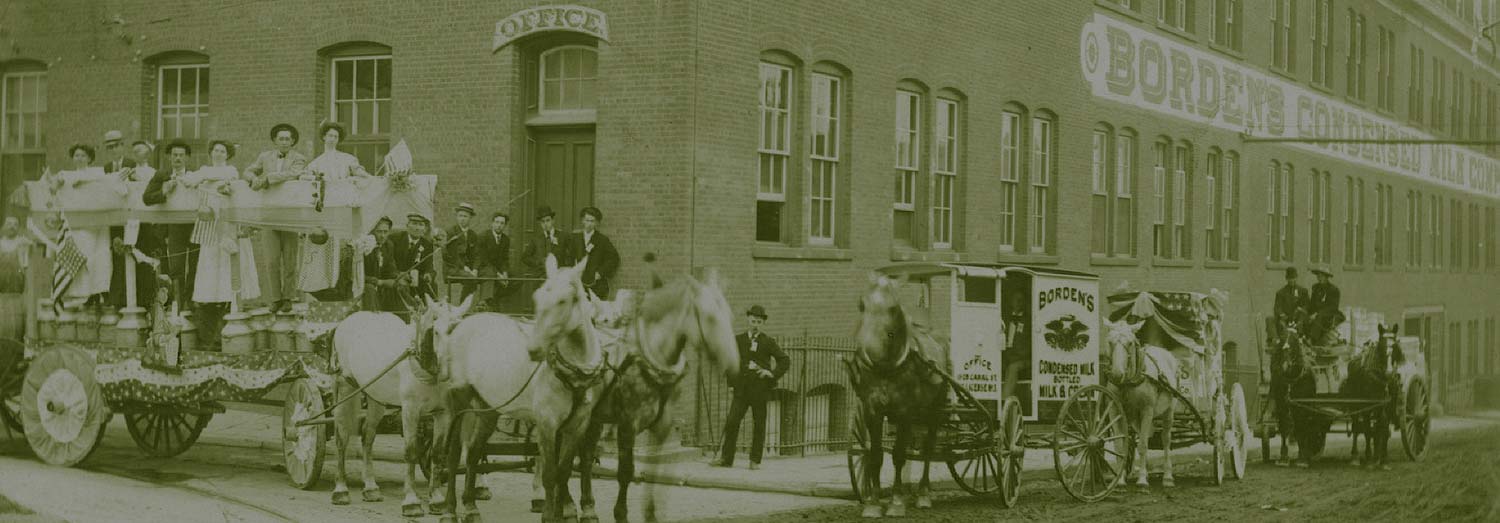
(809, 412)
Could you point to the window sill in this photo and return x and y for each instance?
(1121, 9)
(785, 252)
(1171, 262)
(1279, 265)
(908, 254)
(1354, 101)
(1113, 261)
(1227, 51)
(1354, 267)
(1289, 75)
(1180, 33)
(1384, 268)
(1032, 259)
(581, 117)
(1325, 90)
(1216, 264)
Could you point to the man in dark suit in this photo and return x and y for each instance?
(1292, 299)
(380, 273)
(494, 259)
(170, 243)
(116, 163)
(546, 241)
(461, 254)
(594, 250)
(1323, 307)
(410, 251)
(761, 363)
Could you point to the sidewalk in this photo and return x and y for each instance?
(822, 475)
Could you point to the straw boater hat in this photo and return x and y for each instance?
(113, 136)
(465, 207)
(1322, 272)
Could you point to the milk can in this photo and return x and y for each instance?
(260, 322)
(238, 335)
(46, 320)
(281, 331)
(108, 319)
(189, 333)
(67, 324)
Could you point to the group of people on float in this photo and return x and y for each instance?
(214, 262)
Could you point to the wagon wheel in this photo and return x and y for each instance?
(62, 407)
(1091, 445)
(1417, 422)
(303, 446)
(1238, 433)
(856, 455)
(1265, 425)
(10, 411)
(424, 442)
(12, 373)
(163, 433)
(1012, 447)
(1218, 435)
(980, 474)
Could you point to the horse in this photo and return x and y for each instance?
(672, 318)
(554, 382)
(895, 380)
(365, 343)
(1292, 377)
(1141, 374)
(1372, 376)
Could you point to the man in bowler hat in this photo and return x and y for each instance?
(594, 250)
(761, 363)
(546, 240)
(1324, 307)
(1291, 299)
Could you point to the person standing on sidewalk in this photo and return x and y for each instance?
(761, 363)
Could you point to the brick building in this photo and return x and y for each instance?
(796, 146)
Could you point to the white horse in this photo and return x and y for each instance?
(365, 343)
(1138, 372)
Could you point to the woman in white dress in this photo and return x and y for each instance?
(92, 281)
(218, 240)
(334, 164)
(320, 261)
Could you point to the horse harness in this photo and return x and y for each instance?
(660, 379)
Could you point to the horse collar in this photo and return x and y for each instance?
(577, 378)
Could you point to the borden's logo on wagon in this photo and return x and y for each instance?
(1066, 334)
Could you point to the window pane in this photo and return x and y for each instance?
(384, 108)
(345, 112)
(572, 63)
(383, 79)
(551, 94)
(552, 66)
(344, 80)
(586, 97)
(169, 86)
(570, 95)
(203, 90)
(590, 63)
(364, 79)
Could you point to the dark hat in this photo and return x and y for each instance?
(465, 207)
(592, 211)
(543, 211)
(1291, 273)
(757, 311)
(415, 216)
(276, 129)
(1322, 272)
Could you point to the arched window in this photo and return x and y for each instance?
(181, 91)
(568, 79)
(1041, 203)
(360, 80)
(947, 163)
(23, 138)
(1012, 153)
(827, 182)
(776, 94)
(911, 135)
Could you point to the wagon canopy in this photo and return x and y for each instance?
(349, 209)
(1188, 319)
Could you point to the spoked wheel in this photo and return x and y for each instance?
(1218, 435)
(1238, 433)
(10, 412)
(1012, 451)
(424, 442)
(163, 433)
(1417, 422)
(62, 407)
(979, 475)
(303, 447)
(12, 374)
(856, 455)
(1091, 446)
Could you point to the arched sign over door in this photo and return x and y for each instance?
(571, 18)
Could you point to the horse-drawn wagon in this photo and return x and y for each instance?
(1368, 378)
(78, 366)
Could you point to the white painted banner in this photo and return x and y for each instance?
(1064, 337)
(1137, 67)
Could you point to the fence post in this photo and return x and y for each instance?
(802, 399)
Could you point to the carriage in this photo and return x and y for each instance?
(77, 368)
(1330, 369)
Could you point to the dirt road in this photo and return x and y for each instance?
(1458, 480)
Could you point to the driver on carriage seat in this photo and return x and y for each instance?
(1017, 344)
(1323, 309)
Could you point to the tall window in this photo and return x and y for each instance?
(1182, 163)
(1385, 70)
(361, 100)
(569, 79)
(1414, 229)
(1042, 165)
(1322, 43)
(1280, 196)
(1456, 103)
(1384, 238)
(826, 128)
(1439, 93)
(1010, 176)
(945, 162)
(908, 153)
(1415, 100)
(1228, 214)
(23, 144)
(181, 101)
(1160, 233)
(1319, 224)
(1122, 241)
(1099, 169)
(1355, 62)
(1227, 30)
(1455, 237)
(1489, 239)
(1435, 229)
(1476, 105)
(775, 149)
(1177, 14)
(1172, 184)
(1354, 221)
(1113, 169)
(1284, 35)
(1476, 236)
(1212, 175)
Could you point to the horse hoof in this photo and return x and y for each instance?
(924, 502)
(482, 493)
(448, 519)
(372, 496)
(341, 497)
(1168, 483)
(896, 510)
(871, 512)
(1303, 465)
(1385, 467)
(1355, 463)
(473, 517)
(413, 510)
(536, 506)
(435, 508)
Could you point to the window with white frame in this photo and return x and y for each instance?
(1354, 221)
(1284, 35)
(774, 150)
(1439, 93)
(1354, 86)
(1042, 162)
(1385, 70)
(1319, 222)
(1322, 43)
(1476, 237)
(1455, 237)
(23, 140)
(1383, 234)
(1099, 196)
(1177, 14)
(826, 126)
(1489, 239)
(1415, 100)
(1159, 232)
(1010, 176)
(569, 79)
(1435, 229)
(1280, 196)
(1413, 229)
(361, 100)
(1222, 179)
(181, 101)
(1122, 241)
(908, 154)
(1227, 29)
(945, 164)
(1182, 164)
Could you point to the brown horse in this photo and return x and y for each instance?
(1292, 377)
(1140, 374)
(894, 380)
(672, 319)
(1373, 377)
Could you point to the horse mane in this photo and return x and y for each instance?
(657, 302)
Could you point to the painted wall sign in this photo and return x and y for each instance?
(1133, 66)
(572, 18)
(1064, 337)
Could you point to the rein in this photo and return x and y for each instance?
(662, 379)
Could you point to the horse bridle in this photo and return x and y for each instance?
(575, 376)
(662, 379)
(906, 348)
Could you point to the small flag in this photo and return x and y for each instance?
(398, 160)
(66, 264)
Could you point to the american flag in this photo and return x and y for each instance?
(68, 261)
(330, 311)
(206, 232)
